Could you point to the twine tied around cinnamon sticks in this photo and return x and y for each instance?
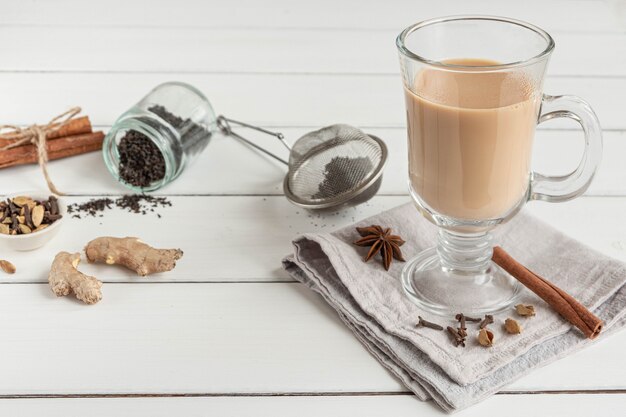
(36, 135)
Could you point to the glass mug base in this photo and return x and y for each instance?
(446, 292)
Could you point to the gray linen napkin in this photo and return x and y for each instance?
(372, 304)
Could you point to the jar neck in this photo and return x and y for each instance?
(164, 139)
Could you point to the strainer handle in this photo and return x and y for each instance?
(223, 123)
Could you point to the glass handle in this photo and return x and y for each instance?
(566, 187)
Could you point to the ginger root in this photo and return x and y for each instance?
(133, 254)
(65, 278)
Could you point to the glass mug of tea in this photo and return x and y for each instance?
(473, 89)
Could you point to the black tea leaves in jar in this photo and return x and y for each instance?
(152, 143)
(141, 161)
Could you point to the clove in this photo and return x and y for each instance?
(467, 318)
(54, 206)
(462, 322)
(486, 321)
(458, 338)
(27, 216)
(428, 324)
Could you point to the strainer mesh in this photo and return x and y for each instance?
(332, 162)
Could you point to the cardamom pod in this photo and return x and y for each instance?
(37, 215)
(485, 337)
(7, 267)
(21, 200)
(512, 326)
(24, 229)
(525, 310)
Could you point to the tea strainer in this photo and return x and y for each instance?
(330, 167)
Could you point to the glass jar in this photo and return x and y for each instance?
(152, 143)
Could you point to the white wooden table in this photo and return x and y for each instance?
(227, 332)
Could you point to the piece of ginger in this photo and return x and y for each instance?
(65, 278)
(133, 254)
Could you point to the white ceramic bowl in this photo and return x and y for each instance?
(34, 240)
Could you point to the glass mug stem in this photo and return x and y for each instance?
(465, 253)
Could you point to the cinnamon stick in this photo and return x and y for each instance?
(57, 149)
(78, 126)
(559, 300)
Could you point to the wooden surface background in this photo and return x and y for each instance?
(228, 333)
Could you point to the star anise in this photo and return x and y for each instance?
(380, 240)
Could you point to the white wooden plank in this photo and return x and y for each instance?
(559, 405)
(172, 338)
(267, 99)
(245, 238)
(577, 15)
(217, 338)
(229, 167)
(257, 50)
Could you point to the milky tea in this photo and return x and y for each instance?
(470, 139)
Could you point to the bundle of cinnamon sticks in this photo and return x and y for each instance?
(75, 138)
